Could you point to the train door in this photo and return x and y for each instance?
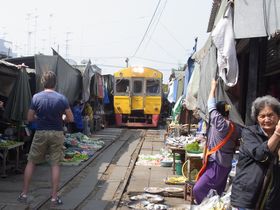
(153, 96)
(137, 101)
(122, 99)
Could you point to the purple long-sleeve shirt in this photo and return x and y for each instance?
(219, 128)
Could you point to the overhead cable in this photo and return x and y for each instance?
(145, 34)
(156, 24)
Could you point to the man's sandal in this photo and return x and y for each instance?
(22, 198)
(56, 201)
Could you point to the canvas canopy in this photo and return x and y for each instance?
(19, 100)
(8, 77)
(256, 18)
(69, 80)
(15, 87)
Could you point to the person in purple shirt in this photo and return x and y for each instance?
(222, 138)
(47, 108)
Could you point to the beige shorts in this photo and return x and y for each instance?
(47, 143)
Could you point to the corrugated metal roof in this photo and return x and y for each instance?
(215, 8)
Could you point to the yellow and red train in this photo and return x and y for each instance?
(137, 97)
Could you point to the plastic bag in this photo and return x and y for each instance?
(211, 202)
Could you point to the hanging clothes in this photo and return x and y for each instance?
(170, 96)
(88, 74)
(223, 39)
(100, 86)
(180, 88)
(189, 68)
(208, 69)
(106, 99)
(192, 89)
(175, 92)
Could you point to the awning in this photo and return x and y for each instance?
(256, 18)
(19, 100)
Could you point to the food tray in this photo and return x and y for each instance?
(152, 198)
(153, 190)
(139, 204)
(173, 189)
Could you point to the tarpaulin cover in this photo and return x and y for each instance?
(256, 18)
(69, 80)
(88, 74)
(208, 71)
(8, 77)
(19, 99)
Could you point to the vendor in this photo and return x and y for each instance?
(222, 136)
(77, 109)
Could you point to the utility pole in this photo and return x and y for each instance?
(35, 33)
(127, 60)
(28, 46)
(67, 44)
(50, 30)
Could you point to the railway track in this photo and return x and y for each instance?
(101, 182)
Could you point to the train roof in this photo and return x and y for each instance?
(138, 72)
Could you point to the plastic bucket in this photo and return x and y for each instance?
(178, 167)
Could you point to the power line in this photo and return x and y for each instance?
(167, 53)
(137, 57)
(156, 25)
(146, 30)
(156, 61)
(179, 43)
(108, 65)
(120, 67)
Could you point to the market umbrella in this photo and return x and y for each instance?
(19, 100)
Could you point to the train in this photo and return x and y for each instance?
(137, 97)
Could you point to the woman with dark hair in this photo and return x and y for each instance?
(222, 136)
(257, 181)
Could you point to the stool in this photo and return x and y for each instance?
(188, 191)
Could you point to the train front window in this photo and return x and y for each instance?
(152, 86)
(137, 86)
(122, 85)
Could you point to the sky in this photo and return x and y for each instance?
(154, 33)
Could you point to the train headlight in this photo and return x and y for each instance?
(138, 69)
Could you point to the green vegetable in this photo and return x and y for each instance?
(7, 143)
(192, 146)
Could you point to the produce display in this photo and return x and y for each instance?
(76, 157)
(80, 148)
(82, 141)
(7, 143)
(175, 180)
(193, 147)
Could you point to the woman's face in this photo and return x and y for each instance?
(268, 119)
